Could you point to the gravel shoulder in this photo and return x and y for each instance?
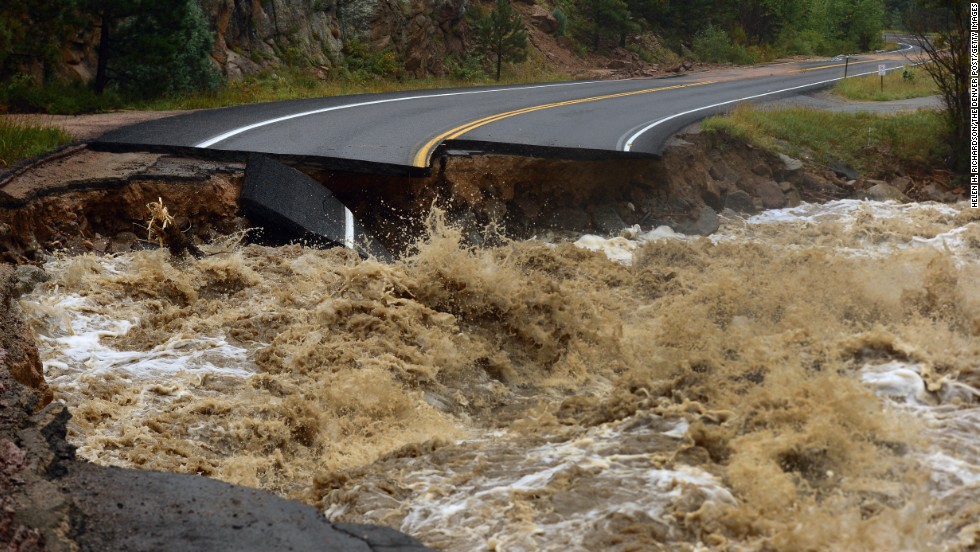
(828, 101)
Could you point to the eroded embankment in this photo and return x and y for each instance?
(97, 201)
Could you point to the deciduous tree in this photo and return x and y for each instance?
(942, 30)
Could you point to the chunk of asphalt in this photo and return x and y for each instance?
(133, 510)
(844, 170)
(293, 206)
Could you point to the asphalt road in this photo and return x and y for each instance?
(403, 132)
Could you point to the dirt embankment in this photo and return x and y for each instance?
(85, 200)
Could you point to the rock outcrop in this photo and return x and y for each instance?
(420, 36)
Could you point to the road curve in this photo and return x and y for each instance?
(403, 132)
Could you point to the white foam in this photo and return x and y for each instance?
(74, 343)
(898, 380)
(950, 428)
(621, 248)
(617, 249)
(467, 505)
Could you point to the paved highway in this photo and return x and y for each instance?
(403, 132)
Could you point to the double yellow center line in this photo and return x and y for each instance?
(421, 158)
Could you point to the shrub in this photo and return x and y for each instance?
(712, 44)
(361, 62)
(466, 68)
(24, 96)
(562, 20)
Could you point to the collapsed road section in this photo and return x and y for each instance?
(81, 200)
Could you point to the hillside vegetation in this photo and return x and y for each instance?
(70, 56)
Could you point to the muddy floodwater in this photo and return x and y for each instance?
(805, 379)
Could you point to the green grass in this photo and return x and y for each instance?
(291, 84)
(898, 85)
(283, 84)
(19, 142)
(56, 98)
(873, 143)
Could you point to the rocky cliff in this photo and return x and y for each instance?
(417, 36)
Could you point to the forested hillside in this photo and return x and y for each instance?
(147, 48)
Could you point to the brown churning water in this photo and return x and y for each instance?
(807, 379)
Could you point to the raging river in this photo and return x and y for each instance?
(804, 379)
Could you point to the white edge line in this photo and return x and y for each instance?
(348, 228)
(222, 137)
(632, 139)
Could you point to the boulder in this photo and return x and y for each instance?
(237, 66)
(843, 170)
(26, 278)
(882, 191)
(542, 19)
(573, 220)
(793, 198)
(768, 192)
(790, 164)
(740, 201)
(933, 192)
(818, 187)
(902, 184)
(763, 170)
(713, 195)
(705, 224)
(605, 219)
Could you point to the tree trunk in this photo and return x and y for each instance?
(500, 54)
(100, 72)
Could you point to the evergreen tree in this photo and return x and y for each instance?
(150, 48)
(855, 25)
(763, 20)
(108, 14)
(599, 18)
(501, 36)
(32, 33)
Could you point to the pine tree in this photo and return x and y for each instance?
(501, 36)
(108, 14)
(601, 18)
(32, 33)
(150, 48)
